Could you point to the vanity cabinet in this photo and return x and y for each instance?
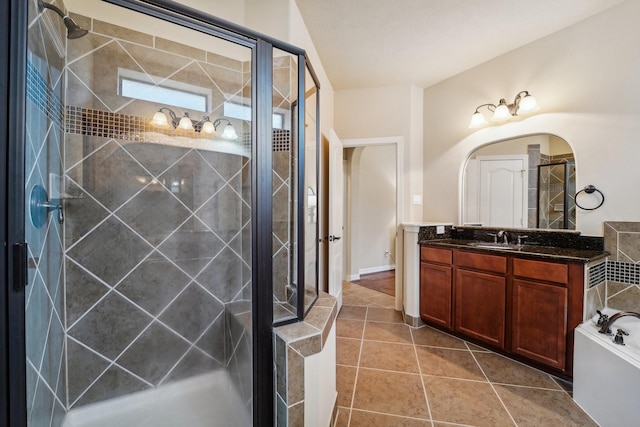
(436, 286)
(547, 306)
(526, 308)
(480, 288)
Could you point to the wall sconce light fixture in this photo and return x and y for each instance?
(524, 102)
(185, 122)
(229, 131)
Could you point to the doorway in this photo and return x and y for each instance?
(371, 200)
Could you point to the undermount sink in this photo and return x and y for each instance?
(488, 245)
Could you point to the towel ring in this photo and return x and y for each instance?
(589, 189)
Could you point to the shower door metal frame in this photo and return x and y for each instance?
(13, 33)
(13, 49)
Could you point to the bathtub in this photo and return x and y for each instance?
(207, 400)
(606, 376)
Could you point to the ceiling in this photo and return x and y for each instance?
(371, 43)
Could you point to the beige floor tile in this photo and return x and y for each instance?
(389, 356)
(382, 331)
(347, 328)
(499, 369)
(345, 381)
(372, 419)
(347, 351)
(380, 314)
(342, 418)
(354, 300)
(390, 393)
(465, 402)
(383, 300)
(474, 347)
(448, 363)
(533, 407)
(352, 312)
(433, 337)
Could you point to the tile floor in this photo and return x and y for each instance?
(389, 374)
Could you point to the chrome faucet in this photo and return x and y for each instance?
(504, 235)
(605, 329)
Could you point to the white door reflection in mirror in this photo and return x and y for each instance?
(499, 194)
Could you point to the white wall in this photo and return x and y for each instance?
(394, 111)
(586, 79)
(376, 200)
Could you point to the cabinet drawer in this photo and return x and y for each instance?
(441, 256)
(492, 263)
(541, 270)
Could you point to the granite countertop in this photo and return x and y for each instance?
(522, 251)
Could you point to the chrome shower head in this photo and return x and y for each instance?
(74, 31)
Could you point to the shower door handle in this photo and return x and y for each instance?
(20, 266)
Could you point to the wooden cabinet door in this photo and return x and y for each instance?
(480, 306)
(540, 322)
(435, 293)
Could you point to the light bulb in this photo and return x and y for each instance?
(229, 133)
(528, 104)
(477, 120)
(502, 112)
(159, 119)
(185, 123)
(207, 127)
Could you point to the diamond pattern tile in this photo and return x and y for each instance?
(155, 158)
(192, 180)
(192, 312)
(154, 284)
(154, 213)
(85, 366)
(110, 326)
(192, 247)
(115, 177)
(154, 353)
(82, 213)
(112, 383)
(221, 276)
(112, 241)
(223, 213)
(83, 291)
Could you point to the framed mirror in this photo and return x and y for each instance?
(526, 182)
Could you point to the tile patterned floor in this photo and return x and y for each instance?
(389, 374)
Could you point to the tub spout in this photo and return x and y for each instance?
(606, 326)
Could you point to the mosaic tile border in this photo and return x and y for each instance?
(613, 271)
(105, 124)
(42, 96)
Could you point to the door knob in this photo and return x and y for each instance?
(334, 238)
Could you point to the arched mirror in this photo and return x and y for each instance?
(526, 182)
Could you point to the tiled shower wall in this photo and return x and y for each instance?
(158, 260)
(616, 282)
(553, 183)
(46, 397)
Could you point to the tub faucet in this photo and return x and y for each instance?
(605, 329)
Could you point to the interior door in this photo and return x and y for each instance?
(336, 216)
(503, 191)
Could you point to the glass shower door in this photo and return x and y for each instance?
(138, 201)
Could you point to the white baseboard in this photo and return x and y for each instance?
(378, 269)
(351, 277)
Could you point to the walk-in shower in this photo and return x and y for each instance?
(159, 254)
